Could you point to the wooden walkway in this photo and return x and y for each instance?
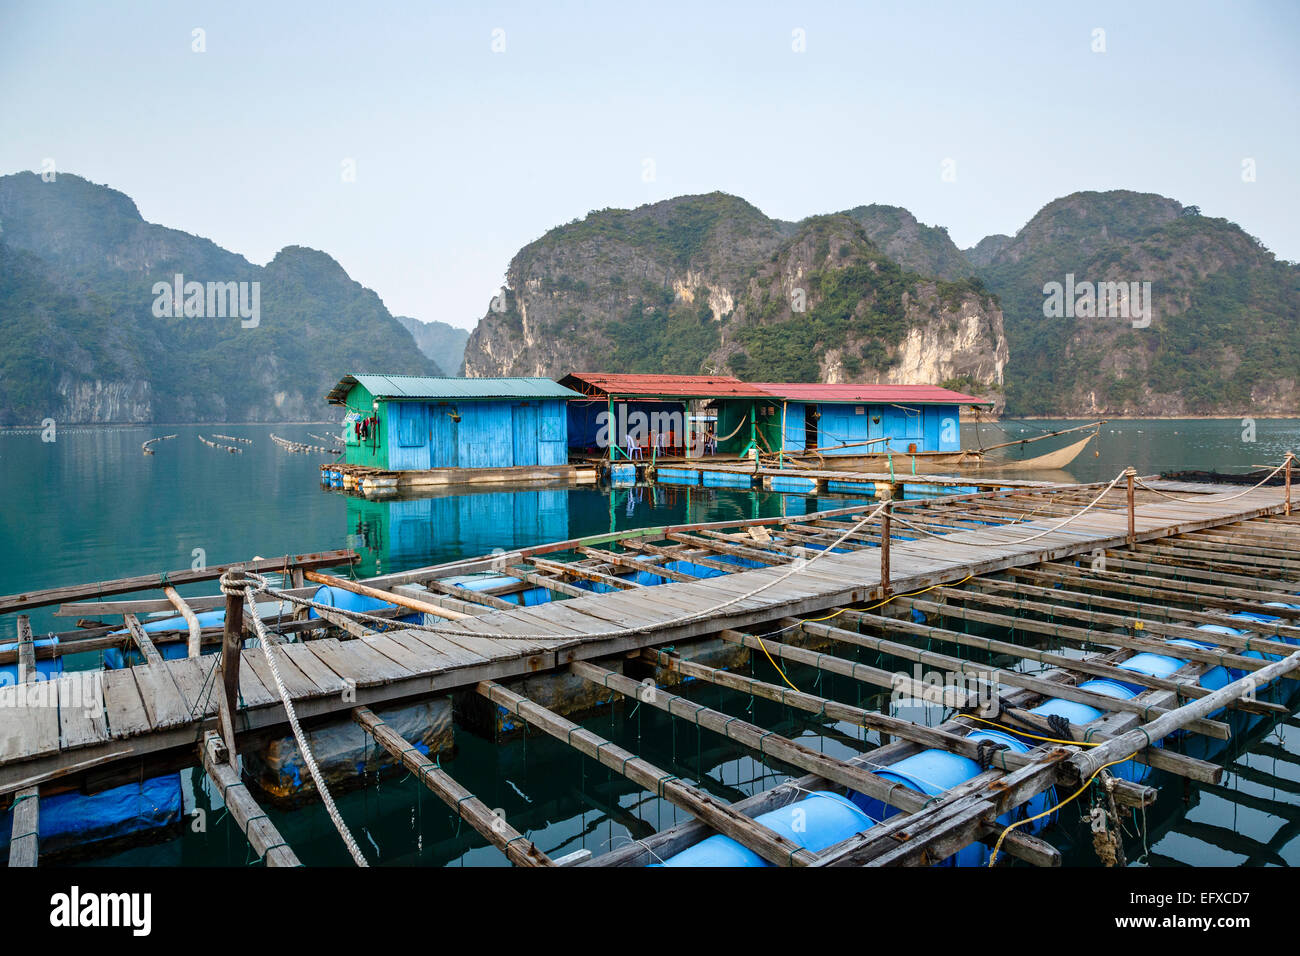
(159, 709)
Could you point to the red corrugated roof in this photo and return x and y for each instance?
(678, 386)
(868, 394)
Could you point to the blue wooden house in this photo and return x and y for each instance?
(412, 423)
(849, 419)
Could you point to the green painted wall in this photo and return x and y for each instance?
(372, 452)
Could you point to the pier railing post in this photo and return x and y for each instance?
(1130, 473)
(232, 640)
(1290, 457)
(884, 547)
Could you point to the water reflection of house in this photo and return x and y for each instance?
(411, 532)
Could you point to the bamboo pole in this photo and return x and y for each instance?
(1126, 744)
(400, 600)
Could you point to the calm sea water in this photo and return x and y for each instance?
(89, 506)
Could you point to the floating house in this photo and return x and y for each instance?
(413, 423)
(844, 419)
(635, 416)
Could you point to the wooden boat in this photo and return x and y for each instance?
(973, 459)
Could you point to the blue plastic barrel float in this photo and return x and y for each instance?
(820, 820)
(344, 600)
(933, 772)
(485, 582)
(46, 667)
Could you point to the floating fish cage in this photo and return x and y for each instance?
(498, 646)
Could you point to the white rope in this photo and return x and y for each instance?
(795, 568)
(1033, 537)
(265, 640)
(1221, 495)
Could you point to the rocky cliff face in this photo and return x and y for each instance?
(708, 283)
(1219, 334)
(82, 340)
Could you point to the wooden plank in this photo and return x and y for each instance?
(360, 662)
(24, 840)
(415, 661)
(295, 682)
(126, 714)
(314, 668)
(252, 692)
(81, 709)
(458, 656)
(161, 698)
(142, 641)
(196, 678)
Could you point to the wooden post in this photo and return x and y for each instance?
(884, 547)
(1129, 474)
(261, 833)
(232, 641)
(1289, 458)
(24, 847)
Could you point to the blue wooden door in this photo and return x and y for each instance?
(443, 438)
(525, 434)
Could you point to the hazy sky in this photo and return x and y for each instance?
(463, 154)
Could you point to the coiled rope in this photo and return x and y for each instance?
(239, 583)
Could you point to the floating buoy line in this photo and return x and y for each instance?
(144, 446)
(301, 448)
(220, 447)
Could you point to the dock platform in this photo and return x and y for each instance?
(1089, 559)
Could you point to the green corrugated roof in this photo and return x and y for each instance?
(427, 387)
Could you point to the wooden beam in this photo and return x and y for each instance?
(626, 561)
(1091, 761)
(768, 844)
(518, 849)
(143, 582)
(24, 841)
(142, 641)
(232, 642)
(401, 600)
(994, 676)
(471, 596)
(756, 738)
(257, 827)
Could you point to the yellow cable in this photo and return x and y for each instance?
(776, 665)
(1022, 733)
(813, 620)
(1050, 810)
